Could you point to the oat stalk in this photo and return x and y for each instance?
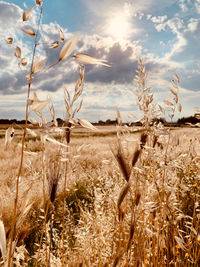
(23, 144)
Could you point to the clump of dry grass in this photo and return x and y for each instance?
(153, 207)
(151, 216)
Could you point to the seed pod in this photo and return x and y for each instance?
(18, 52)
(26, 14)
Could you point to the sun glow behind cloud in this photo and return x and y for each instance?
(118, 23)
(118, 27)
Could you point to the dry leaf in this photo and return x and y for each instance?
(67, 95)
(35, 97)
(161, 108)
(170, 109)
(31, 132)
(61, 35)
(38, 65)
(9, 136)
(26, 14)
(52, 140)
(39, 2)
(174, 84)
(2, 240)
(77, 94)
(180, 242)
(23, 61)
(173, 91)
(33, 121)
(52, 111)
(38, 106)
(87, 124)
(68, 47)
(119, 120)
(86, 59)
(9, 40)
(122, 195)
(79, 106)
(54, 44)
(176, 78)
(29, 31)
(17, 52)
(175, 94)
(72, 121)
(169, 102)
(29, 76)
(179, 107)
(64, 159)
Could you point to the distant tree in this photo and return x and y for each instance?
(191, 119)
(101, 122)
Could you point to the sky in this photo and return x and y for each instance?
(164, 34)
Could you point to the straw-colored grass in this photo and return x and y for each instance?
(159, 216)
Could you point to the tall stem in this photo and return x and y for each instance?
(63, 218)
(22, 149)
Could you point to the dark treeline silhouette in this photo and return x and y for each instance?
(192, 119)
(12, 121)
(180, 122)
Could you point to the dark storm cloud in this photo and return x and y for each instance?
(123, 65)
(10, 84)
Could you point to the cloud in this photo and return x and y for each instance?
(194, 25)
(178, 47)
(183, 45)
(197, 5)
(123, 65)
(183, 5)
(10, 13)
(135, 5)
(174, 24)
(106, 88)
(159, 19)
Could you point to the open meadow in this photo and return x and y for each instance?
(114, 213)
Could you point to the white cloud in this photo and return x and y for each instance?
(175, 24)
(159, 19)
(183, 5)
(193, 25)
(178, 47)
(160, 27)
(148, 16)
(197, 5)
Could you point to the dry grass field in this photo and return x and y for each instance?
(150, 219)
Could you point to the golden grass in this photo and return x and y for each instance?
(94, 236)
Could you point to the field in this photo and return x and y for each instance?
(148, 218)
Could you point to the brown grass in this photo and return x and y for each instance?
(93, 234)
